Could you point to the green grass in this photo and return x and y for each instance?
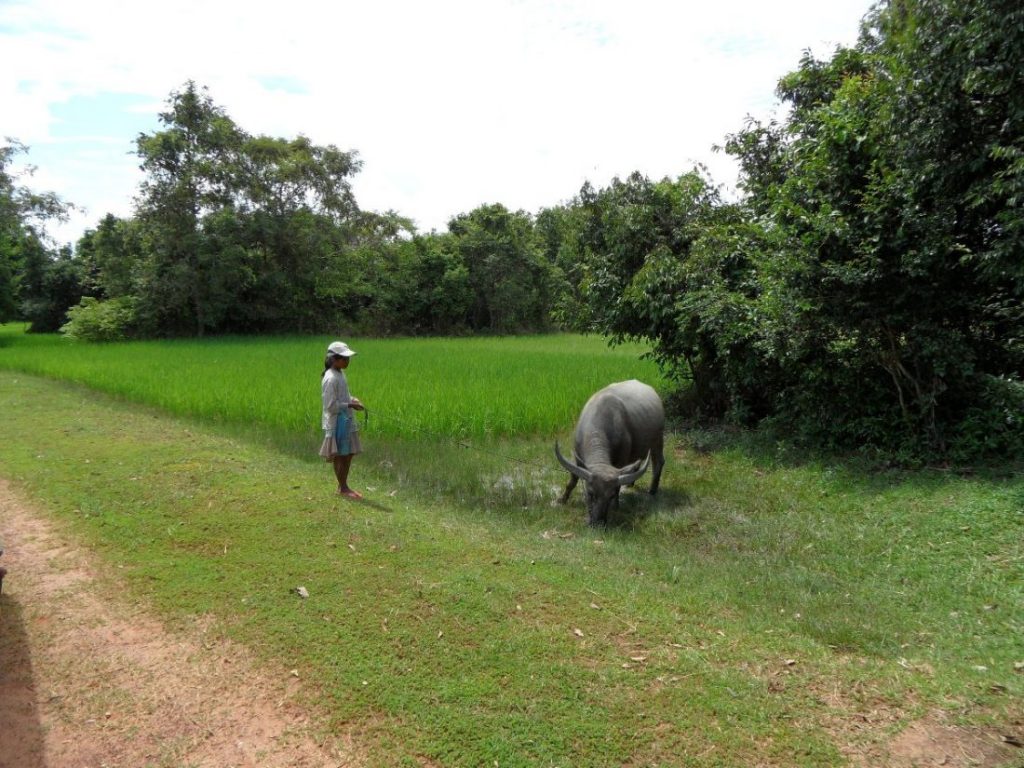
(759, 611)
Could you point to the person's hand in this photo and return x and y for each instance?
(355, 404)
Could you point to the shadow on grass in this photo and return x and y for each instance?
(637, 506)
(21, 737)
(867, 472)
(368, 502)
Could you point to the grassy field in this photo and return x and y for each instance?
(765, 609)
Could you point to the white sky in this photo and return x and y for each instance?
(450, 104)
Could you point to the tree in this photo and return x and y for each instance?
(893, 191)
(507, 272)
(430, 291)
(621, 229)
(957, 123)
(557, 230)
(111, 256)
(50, 287)
(868, 290)
(238, 230)
(188, 175)
(637, 269)
(22, 216)
(302, 227)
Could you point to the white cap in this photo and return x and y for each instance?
(341, 349)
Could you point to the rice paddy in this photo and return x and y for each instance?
(478, 388)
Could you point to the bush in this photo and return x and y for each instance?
(992, 428)
(94, 320)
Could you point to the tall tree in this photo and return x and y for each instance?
(301, 228)
(239, 230)
(23, 213)
(188, 167)
(869, 289)
(892, 194)
(427, 290)
(894, 188)
(50, 286)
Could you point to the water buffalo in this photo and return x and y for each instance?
(620, 431)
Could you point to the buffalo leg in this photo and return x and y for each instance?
(658, 463)
(568, 489)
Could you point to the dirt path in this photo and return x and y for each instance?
(89, 680)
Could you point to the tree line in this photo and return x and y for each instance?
(867, 289)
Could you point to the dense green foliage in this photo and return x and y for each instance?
(868, 290)
(233, 232)
(94, 320)
(34, 282)
(888, 197)
(638, 254)
(236, 233)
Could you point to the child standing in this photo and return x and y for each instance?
(341, 431)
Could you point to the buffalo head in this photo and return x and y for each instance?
(602, 483)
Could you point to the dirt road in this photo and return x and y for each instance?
(87, 679)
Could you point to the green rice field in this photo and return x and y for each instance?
(452, 388)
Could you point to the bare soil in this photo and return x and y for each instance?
(89, 680)
(930, 742)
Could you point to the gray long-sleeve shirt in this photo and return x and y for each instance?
(336, 399)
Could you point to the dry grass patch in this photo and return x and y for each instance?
(870, 729)
(932, 741)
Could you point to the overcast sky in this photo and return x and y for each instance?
(450, 104)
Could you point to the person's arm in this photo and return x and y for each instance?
(345, 397)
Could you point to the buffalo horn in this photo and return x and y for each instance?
(631, 477)
(579, 472)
